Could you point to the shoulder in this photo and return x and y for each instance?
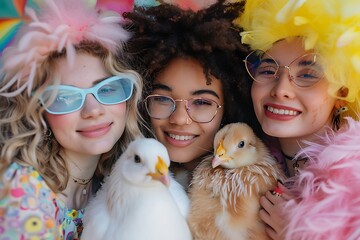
(27, 205)
(25, 180)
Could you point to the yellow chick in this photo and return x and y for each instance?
(225, 189)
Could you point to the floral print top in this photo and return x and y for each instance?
(30, 210)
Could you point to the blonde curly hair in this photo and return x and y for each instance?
(23, 128)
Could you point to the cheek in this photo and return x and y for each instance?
(118, 110)
(211, 128)
(318, 99)
(58, 121)
(258, 91)
(256, 96)
(61, 126)
(323, 107)
(208, 137)
(156, 124)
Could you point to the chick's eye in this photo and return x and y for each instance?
(137, 159)
(241, 144)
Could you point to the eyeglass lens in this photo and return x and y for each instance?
(304, 71)
(69, 99)
(200, 110)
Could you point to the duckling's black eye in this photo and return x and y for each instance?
(241, 144)
(137, 159)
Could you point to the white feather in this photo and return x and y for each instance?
(132, 206)
(180, 196)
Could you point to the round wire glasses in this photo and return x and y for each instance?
(201, 110)
(304, 71)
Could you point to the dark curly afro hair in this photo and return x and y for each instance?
(167, 32)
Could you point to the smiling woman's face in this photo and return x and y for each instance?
(186, 140)
(95, 128)
(285, 110)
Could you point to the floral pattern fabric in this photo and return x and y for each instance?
(30, 210)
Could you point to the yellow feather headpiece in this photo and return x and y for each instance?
(329, 27)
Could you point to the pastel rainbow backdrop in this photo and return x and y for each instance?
(11, 18)
(12, 13)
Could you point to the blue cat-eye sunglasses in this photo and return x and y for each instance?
(63, 99)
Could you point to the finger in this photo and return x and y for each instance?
(273, 198)
(273, 210)
(265, 203)
(272, 233)
(270, 209)
(264, 216)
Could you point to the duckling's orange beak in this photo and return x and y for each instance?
(161, 172)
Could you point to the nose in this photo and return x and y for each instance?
(180, 115)
(283, 88)
(92, 107)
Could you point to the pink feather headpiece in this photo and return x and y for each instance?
(61, 24)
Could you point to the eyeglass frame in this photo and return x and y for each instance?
(276, 75)
(85, 91)
(218, 106)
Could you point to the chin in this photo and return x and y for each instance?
(100, 149)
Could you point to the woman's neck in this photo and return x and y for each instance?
(290, 148)
(81, 166)
(190, 166)
(81, 171)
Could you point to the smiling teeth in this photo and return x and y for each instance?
(180, 137)
(282, 111)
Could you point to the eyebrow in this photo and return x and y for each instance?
(160, 86)
(196, 93)
(99, 80)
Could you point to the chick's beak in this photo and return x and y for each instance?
(161, 172)
(220, 156)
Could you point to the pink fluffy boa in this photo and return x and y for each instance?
(327, 203)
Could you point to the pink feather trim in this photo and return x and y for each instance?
(62, 24)
(327, 205)
(116, 5)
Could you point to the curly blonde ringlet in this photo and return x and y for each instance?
(23, 127)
